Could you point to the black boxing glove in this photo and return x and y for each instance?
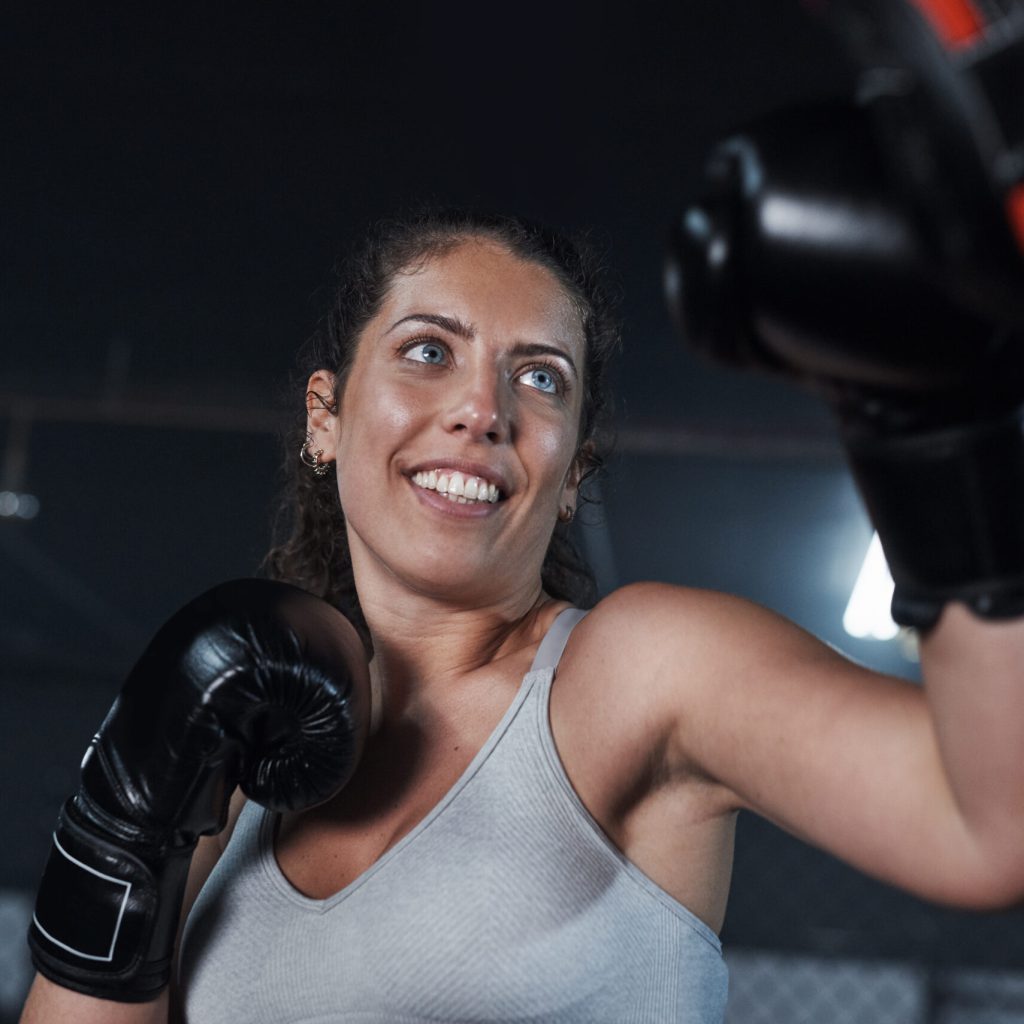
(255, 683)
(822, 252)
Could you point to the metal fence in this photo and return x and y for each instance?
(810, 940)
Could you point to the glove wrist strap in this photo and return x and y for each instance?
(105, 919)
(948, 505)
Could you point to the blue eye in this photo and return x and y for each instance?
(543, 379)
(429, 352)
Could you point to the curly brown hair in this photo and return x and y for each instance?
(311, 546)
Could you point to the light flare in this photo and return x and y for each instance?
(867, 614)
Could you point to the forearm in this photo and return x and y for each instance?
(974, 679)
(51, 1004)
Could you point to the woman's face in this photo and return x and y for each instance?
(467, 379)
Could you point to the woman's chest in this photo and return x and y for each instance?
(499, 909)
(322, 851)
(409, 770)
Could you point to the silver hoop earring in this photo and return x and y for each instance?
(312, 458)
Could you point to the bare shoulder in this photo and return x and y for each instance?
(677, 661)
(640, 656)
(650, 607)
(647, 625)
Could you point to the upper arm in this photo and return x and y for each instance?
(208, 851)
(841, 756)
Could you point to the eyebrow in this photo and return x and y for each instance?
(467, 331)
(448, 323)
(530, 348)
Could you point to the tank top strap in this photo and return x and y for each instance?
(550, 650)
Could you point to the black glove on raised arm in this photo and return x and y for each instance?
(862, 249)
(255, 683)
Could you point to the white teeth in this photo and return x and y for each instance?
(456, 487)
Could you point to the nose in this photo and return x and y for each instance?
(479, 408)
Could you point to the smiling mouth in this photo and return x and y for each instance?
(458, 487)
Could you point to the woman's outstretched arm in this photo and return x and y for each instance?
(922, 787)
(974, 681)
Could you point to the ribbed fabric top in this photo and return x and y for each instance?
(505, 903)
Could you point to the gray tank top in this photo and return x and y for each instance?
(505, 903)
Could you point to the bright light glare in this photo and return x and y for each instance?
(24, 506)
(867, 615)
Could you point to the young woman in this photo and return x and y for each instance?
(541, 824)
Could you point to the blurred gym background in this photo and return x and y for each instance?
(176, 185)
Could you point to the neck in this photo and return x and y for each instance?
(425, 646)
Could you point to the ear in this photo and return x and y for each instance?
(570, 492)
(321, 412)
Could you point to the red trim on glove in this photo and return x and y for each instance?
(958, 23)
(1015, 213)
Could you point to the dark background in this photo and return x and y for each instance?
(176, 186)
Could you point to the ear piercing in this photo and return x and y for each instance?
(312, 458)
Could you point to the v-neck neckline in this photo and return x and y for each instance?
(268, 827)
(548, 651)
